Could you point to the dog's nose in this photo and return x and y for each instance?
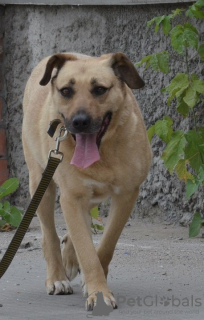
(81, 121)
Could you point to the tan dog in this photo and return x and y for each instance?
(107, 153)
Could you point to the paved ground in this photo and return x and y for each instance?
(157, 273)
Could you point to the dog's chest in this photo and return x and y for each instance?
(100, 191)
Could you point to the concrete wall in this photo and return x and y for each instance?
(4, 172)
(33, 32)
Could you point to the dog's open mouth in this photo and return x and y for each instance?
(87, 145)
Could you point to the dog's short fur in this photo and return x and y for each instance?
(89, 95)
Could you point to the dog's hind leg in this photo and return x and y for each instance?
(69, 258)
(57, 282)
(121, 207)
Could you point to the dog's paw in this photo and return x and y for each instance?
(59, 287)
(94, 298)
(69, 258)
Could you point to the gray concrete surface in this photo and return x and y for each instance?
(33, 32)
(156, 273)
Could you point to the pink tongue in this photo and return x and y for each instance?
(86, 151)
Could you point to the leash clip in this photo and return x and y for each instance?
(58, 140)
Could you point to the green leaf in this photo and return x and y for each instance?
(154, 62)
(166, 25)
(189, 12)
(180, 81)
(174, 150)
(194, 151)
(200, 3)
(2, 223)
(151, 132)
(182, 171)
(94, 212)
(2, 213)
(194, 77)
(195, 225)
(144, 60)
(7, 207)
(9, 187)
(5, 211)
(190, 35)
(163, 61)
(195, 10)
(150, 22)
(183, 37)
(201, 174)
(191, 97)
(15, 217)
(182, 107)
(198, 86)
(177, 12)
(99, 227)
(177, 86)
(177, 38)
(158, 21)
(158, 61)
(163, 129)
(201, 51)
(165, 21)
(191, 188)
(10, 214)
(167, 118)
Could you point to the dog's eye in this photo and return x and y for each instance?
(67, 92)
(99, 91)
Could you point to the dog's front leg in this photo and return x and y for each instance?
(57, 282)
(120, 210)
(76, 216)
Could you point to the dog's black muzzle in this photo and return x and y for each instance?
(82, 122)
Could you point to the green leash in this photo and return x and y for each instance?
(47, 175)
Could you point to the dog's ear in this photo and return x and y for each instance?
(125, 70)
(56, 61)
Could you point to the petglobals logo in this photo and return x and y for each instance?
(156, 301)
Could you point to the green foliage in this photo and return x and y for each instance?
(194, 149)
(196, 225)
(195, 11)
(164, 21)
(193, 184)
(9, 214)
(201, 51)
(174, 150)
(184, 151)
(9, 187)
(158, 61)
(187, 90)
(184, 36)
(95, 215)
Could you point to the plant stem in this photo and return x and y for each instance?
(189, 77)
(194, 120)
(187, 65)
